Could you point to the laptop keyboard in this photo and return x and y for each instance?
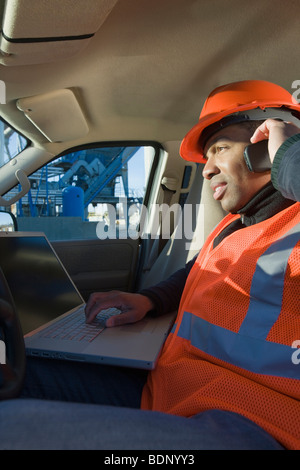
(74, 328)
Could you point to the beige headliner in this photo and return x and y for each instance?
(150, 65)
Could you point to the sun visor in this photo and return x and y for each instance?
(41, 31)
(57, 115)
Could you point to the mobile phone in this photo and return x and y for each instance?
(257, 157)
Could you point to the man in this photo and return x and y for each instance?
(238, 312)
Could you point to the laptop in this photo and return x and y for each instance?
(44, 292)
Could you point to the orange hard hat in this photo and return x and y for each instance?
(237, 102)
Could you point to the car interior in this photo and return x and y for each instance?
(95, 99)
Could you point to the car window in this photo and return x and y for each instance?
(11, 143)
(88, 193)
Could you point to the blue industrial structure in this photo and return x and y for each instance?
(73, 202)
(69, 184)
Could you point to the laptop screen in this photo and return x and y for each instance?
(40, 286)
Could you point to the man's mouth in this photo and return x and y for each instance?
(219, 190)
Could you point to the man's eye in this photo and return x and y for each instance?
(221, 148)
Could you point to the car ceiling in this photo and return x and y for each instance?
(139, 69)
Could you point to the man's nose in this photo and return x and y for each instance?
(210, 168)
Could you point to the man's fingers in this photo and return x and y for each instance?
(276, 132)
(133, 306)
(100, 301)
(121, 319)
(259, 134)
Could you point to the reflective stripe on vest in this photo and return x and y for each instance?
(249, 348)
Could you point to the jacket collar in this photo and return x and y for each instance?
(266, 203)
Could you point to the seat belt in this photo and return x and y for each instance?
(169, 186)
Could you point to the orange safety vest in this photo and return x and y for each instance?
(231, 345)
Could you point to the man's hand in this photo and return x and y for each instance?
(133, 306)
(277, 132)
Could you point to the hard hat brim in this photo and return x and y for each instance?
(191, 148)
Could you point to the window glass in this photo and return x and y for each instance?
(11, 143)
(89, 193)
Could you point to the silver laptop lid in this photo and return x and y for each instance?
(39, 283)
